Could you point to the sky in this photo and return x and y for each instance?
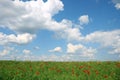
(60, 30)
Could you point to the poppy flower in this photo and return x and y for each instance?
(86, 72)
(96, 71)
(81, 67)
(118, 65)
(37, 73)
(105, 76)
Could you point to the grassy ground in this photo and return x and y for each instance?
(15, 70)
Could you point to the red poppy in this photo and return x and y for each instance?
(37, 73)
(89, 66)
(118, 65)
(105, 76)
(73, 72)
(58, 71)
(87, 72)
(31, 68)
(52, 68)
(96, 71)
(81, 67)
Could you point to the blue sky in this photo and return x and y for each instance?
(60, 30)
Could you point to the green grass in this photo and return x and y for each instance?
(18, 70)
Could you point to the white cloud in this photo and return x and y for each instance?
(116, 48)
(37, 47)
(57, 49)
(35, 15)
(81, 50)
(32, 16)
(4, 52)
(53, 6)
(106, 39)
(18, 39)
(26, 51)
(70, 34)
(73, 48)
(27, 54)
(84, 19)
(7, 51)
(117, 4)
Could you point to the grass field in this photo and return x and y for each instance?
(18, 70)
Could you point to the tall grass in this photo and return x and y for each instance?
(18, 70)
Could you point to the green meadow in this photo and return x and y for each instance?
(27, 70)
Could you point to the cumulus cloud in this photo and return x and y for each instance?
(116, 47)
(57, 49)
(73, 48)
(17, 39)
(26, 51)
(81, 50)
(105, 39)
(117, 4)
(36, 15)
(27, 54)
(25, 18)
(28, 16)
(36, 47)
(84, 19)
(4, 52)
(70, 34)
(116, 50)
(7, 51)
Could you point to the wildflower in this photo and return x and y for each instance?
(118, 65)
(87, 72)
(105, 76)
(31, 68)
(58, 71)
(73, 72)
(96, 71)
(52, 68)
(37, 73)
(89, 66)
(81, 67)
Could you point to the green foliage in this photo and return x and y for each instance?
(18, 70)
